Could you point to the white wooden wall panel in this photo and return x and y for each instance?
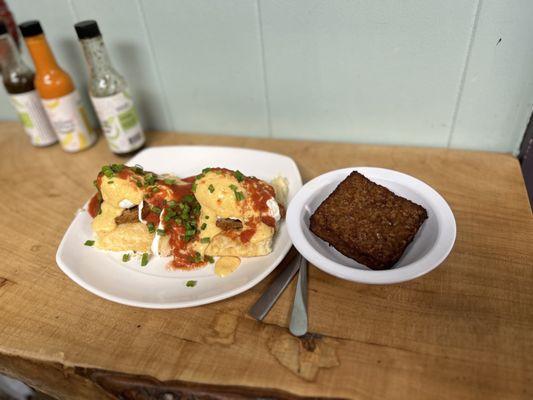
(410, 72)
(497, 97)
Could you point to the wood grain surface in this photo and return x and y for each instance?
(464, 331)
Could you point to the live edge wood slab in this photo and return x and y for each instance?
(464, 331)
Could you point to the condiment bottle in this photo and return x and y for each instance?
(18, 81)
(109, 94)
(7, 17)
(60, 99)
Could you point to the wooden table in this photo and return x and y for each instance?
(464, 331)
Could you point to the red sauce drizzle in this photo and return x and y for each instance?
(189, 179)
(259, 193)
(268, 220)
(247, 234)
(181, 249)
(125, 173)
(94, 205)
(181, 252)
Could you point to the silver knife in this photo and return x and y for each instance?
(262, 306)
(298, 324)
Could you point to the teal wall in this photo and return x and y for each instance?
(413, 72)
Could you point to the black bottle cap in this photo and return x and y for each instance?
(30, 28)
(3, 28)
(87, 29)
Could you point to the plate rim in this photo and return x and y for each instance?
(181, 304)
(411, 271)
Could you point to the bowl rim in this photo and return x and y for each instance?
(444, 242)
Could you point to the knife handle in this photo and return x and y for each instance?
(262, 306)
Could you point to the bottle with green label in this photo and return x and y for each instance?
(18, 81)
(109, 94)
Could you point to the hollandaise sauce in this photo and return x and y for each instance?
(226, 265)
(237, 194)
(218, 212)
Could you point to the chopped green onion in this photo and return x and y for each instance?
(89, 243)
(188, 198)
(172, 203)
(151, 227)
(110, 182)
(178, 221)
(149, 179)
(205, 240)
(204, 225)
(144, 259)
(169, 181)
(190, 284)
(196, 258)
(138, 169)
(193, 187)
(239, 196)
(157, 210)
(211, 188)
(107, 171)
(239, 175)
(189, 234)
(161, 232)
(206, 170)
(207, 217)
(126, 257)
(139, 184)
(117, 167)
(209, 259)
(155, 189)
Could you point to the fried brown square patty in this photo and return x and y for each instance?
(367, 222)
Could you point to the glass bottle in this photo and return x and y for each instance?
(109, 94)
(59, 96)
(7, 17)
(18, 81)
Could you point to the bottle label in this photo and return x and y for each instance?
(119, 121)
(33, 118)
(70, 122)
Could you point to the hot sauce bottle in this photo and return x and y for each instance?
(18, 81)
(109, 94)
(60, 99)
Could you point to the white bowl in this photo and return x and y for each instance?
(429, 248)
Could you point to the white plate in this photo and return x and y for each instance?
(153, 286)
(429, 248)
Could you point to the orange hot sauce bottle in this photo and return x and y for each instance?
(59, 96)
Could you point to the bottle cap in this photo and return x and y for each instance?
(87, 29)
(3, 28)
(30, 28)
